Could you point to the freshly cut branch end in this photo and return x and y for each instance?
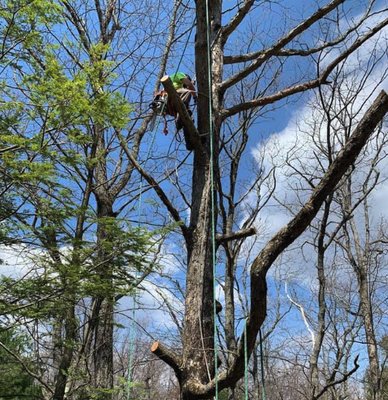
(179, 106)
(167, 355)
(154, 347)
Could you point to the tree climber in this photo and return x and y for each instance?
(186, 89)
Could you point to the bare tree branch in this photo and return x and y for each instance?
(338, 381)
(25, 367)
(301, 87)
(236, 20)
(233, 59)
(241, 234)
(265, 55)
(158, 190)
(79, 25)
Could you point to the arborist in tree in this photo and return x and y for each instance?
(184, 86)
(186, 89)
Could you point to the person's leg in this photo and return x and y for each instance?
(186, 135)
(185, 95)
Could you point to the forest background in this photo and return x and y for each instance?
(106, 236)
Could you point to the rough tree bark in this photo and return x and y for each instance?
(361, 257)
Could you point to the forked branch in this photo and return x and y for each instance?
(287, 235)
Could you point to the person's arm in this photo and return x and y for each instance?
(189, 84)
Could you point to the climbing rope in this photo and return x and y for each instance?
(212, 189)
(263, 394)
(132, 330)
(245, 361)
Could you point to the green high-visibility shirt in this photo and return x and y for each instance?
(177, 79)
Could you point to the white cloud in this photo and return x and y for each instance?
(294, 148)
(19, 261)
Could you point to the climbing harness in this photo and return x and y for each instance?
(159, 104)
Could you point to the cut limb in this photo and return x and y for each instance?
(243, 233)
(168, 356)
(179, 106)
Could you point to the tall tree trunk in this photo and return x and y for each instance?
(103, 330)
(65, 330)
(102, 318)
(103, 348)
(70, 326)
(361, 263)
(198, 335)
(229, 304)
(314, 376)
(367, 315)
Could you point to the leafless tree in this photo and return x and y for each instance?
(337, 108)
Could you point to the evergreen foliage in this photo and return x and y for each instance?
(15, 382)
(52, 119)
